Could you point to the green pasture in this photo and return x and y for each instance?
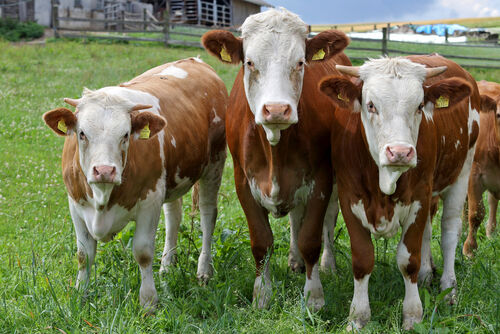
(37, 243)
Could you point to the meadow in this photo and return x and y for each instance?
(38, 265)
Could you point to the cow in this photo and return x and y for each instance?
(486, 166)
(278, 133)
(133, 147)
(409, 138)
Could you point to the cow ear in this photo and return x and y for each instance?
(223, 45)
(446, 93)
(146, 125)
(342, 92)
(325, 45)
(61, 120)
(488, 104)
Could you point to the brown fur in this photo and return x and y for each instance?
(486, 166)
(53, 117)
(213, 41)
(331, 41)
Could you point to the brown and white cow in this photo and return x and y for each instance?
(131, 148)
(410, 137)
(485, 173)
(278, 131)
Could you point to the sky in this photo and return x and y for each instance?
(351, 11)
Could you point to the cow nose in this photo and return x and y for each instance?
(277, 113)
(104, 173)
(399, 154)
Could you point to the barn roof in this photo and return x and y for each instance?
(259, 3)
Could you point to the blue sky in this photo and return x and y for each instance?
(350, 11)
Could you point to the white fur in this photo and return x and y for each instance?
(271, 201)
(274, 41)
(295, 260)
(328, 257)
(313, 290)
(360, 312)
(394, 86)
(216, 118)
(173, 142)
(473, 117)
(262, 289)
(174, 71)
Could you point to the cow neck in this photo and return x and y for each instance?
(271, 154)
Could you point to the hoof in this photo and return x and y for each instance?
(296, 263)
(262, 292)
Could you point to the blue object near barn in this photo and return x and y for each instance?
(440, 29)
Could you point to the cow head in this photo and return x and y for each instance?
(392, 99)
(103, 125)
(274, 49)
(489, 104)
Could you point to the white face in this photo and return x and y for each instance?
(103, 134)
(391, 112)
(274, 60)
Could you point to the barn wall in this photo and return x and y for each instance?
(241, 10)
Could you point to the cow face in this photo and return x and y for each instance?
(392, 100)
(274, 50)
(103, 125)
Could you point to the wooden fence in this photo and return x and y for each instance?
(125, 27)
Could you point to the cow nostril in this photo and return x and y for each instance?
(410, 152)
(96, 171)
(388, 151)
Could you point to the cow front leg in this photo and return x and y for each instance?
(208, 191)
(426, 267)
(173, 218)
(332, 212)
(295, 261)
(143, 249)
(261, 239)
(86, 247)
(492, 219)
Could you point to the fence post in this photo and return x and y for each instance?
(446, 35)
(55, 18)
(122, 26)
(166, 18)
(145, 17)
(384, 41)
(388, 31)
(375, 27)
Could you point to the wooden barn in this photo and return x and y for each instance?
(222, 13)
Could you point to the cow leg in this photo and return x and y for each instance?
(476, 214)
(143, 249)
(261, 238)
(173, 218)
(363, 260)
(209, 189)
(451, 225)
(295, 261)
(332, 212)
(492, 219)
(86, 247)
(427, 267)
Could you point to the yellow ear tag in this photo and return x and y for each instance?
(62, 126)
(341, 98)
(319, 55)
(144, 134)
(224, 55)
(442, 102)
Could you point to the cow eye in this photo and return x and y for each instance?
(420, 108)
(250, 64)
(126, 136)
(300, 64)
(371, 107)
(82, 136)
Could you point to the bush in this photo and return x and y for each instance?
(14, 31)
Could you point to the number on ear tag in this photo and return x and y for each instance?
(319, 55)
(442, 102)
(145, 132)
(224, 55)
(61, 125)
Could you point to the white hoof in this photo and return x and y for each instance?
(205, 269)
(262, 292)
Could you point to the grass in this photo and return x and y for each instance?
(37, 258)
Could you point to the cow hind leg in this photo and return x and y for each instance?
(492, 219)
(451, 225)
(173, 218)
(209, 186)
(476, 215)
(332, 212)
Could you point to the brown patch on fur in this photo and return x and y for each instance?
(341, 90)
(331, 41)
(213, 41)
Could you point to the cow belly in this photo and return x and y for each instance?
(491, 180)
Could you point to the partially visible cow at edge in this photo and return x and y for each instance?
(278, 131)
(485, 173)
(131, 148)
(410, 137)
